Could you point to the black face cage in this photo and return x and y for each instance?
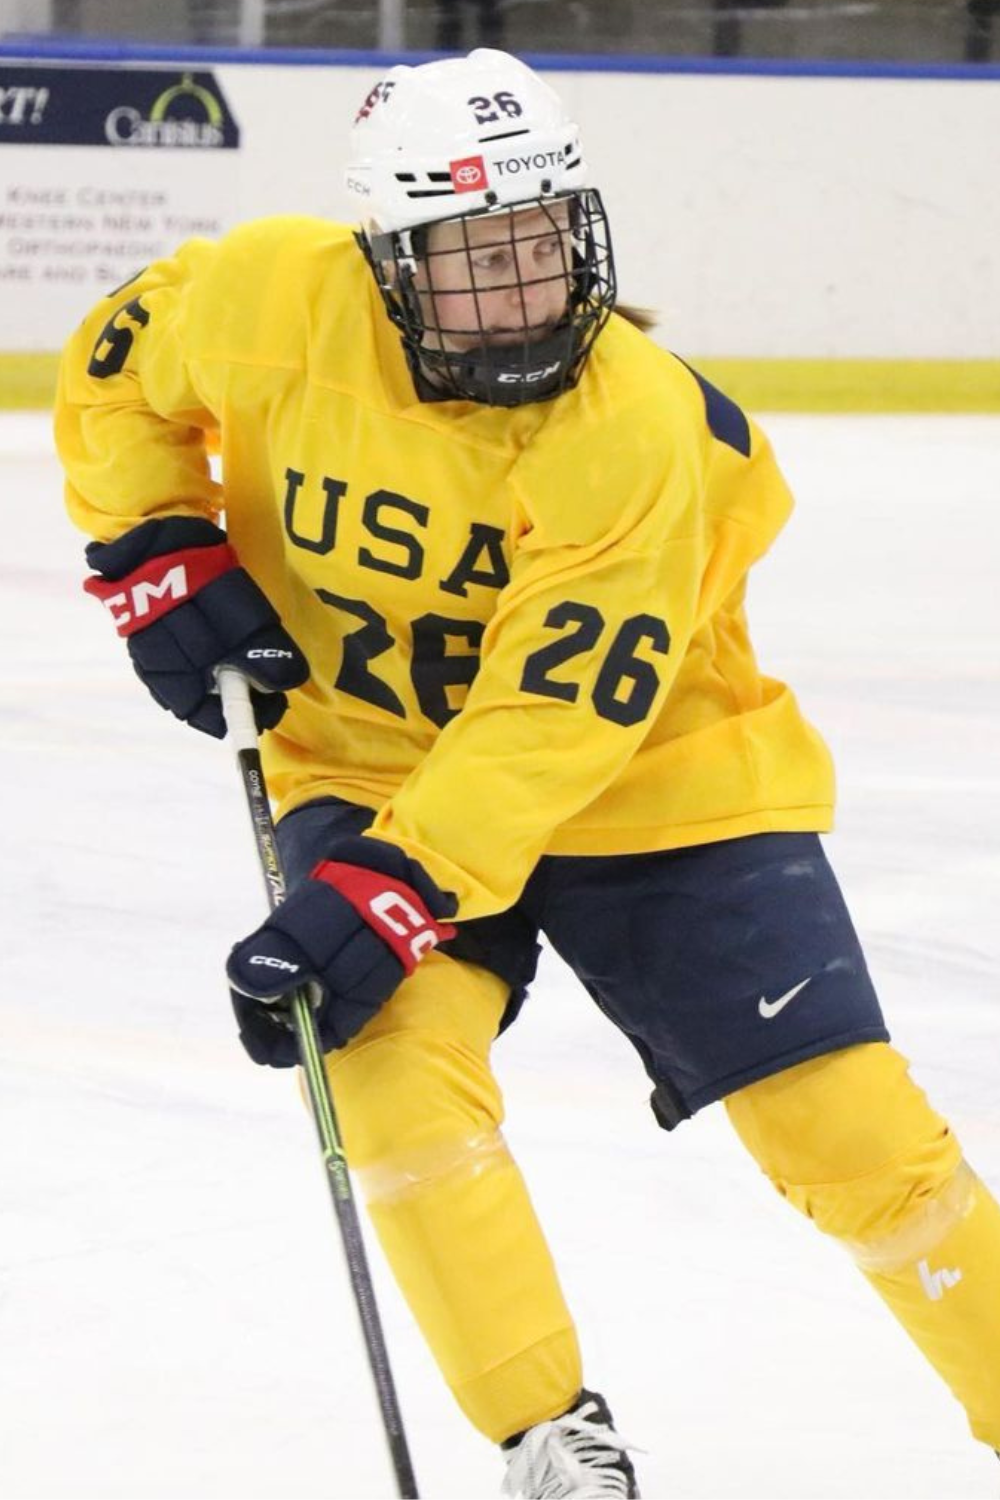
(512, 361)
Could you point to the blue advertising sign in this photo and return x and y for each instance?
(125, 108)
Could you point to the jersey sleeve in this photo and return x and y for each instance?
(576, 664)
(134, 401)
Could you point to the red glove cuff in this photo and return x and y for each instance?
(390, 907)
(160, 585)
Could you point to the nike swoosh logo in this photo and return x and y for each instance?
(770, 1008)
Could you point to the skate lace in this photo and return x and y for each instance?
(569, 1458)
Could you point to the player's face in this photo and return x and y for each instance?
(495, 280)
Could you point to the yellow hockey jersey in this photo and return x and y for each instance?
(525, 626)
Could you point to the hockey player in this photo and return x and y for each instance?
(485, 557)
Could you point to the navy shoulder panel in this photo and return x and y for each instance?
(725, 419)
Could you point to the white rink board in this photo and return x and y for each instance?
(767, 217)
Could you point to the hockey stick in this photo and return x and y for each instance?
(238, 712)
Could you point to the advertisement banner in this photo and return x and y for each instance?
(103, 169)
(113, 106)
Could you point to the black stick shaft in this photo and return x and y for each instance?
(239, 720)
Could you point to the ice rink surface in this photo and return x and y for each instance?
(174, 1315)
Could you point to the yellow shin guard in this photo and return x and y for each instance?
(420, 1112)
(851, 1141)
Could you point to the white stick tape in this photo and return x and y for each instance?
(237, 708)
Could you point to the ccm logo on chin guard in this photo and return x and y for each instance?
(514, 377)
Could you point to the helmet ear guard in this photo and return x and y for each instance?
(459, 142)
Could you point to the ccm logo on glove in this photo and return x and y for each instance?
(351, 931)
(394, 911)
(159, 586)
(178, 596)
(270, 962)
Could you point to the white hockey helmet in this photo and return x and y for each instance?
(459, 136)
(453, 142)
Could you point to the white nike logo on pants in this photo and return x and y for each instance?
(770, 1008)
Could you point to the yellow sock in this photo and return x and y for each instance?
(852, 1142)
(939, 1276)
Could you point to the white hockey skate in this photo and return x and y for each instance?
(578, 1456)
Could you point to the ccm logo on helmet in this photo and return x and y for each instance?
(468, 175)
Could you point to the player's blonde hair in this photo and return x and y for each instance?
(643, 318)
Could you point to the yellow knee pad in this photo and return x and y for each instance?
(420, 1113)
(417, 1078)
(852, 1142)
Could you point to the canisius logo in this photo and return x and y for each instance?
(186, 114)
(122, 107)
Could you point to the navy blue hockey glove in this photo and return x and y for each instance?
(352, 931)
(177, 593)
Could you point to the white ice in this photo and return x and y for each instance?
(174, 1314)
